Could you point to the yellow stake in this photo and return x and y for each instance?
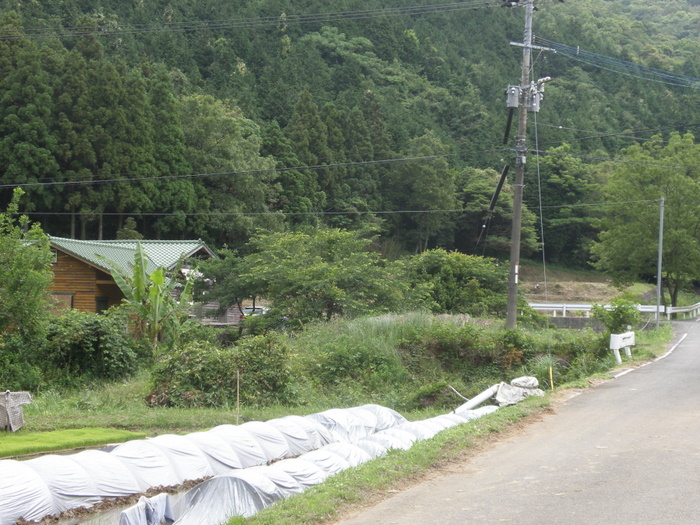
(551, 378)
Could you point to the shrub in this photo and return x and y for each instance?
(616, 318)
(19, 368)
(346, 359)
(202, 374)
(540, 367)
(515, 348)
(460, 349)
(459, 283)
(83, 345)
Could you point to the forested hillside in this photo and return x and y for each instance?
(211, 118)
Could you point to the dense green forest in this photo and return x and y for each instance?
(212, 119)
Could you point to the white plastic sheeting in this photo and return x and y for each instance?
(239, 493)
(307, 473)
(271, 440)
(325, 443)
(67, 481)
(519, 389)
(155, 510)
(23, 493)
(351, 424)
(218, 499)
(112, 477)
(243, 443)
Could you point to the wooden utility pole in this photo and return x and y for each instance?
(521, 152)
(659, 289)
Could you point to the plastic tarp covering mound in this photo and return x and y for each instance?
(239, 493)
(23, 493)
(250, 465)
(200, 504)
(351, 424)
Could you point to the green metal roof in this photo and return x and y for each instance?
(159, 253)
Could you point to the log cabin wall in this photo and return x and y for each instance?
(81, 286)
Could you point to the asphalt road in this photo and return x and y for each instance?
(624, 452)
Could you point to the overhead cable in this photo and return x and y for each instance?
(134, 177)
(238, 23)
(622, 67)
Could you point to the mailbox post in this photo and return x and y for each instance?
(618, 341)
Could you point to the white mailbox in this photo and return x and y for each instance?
(618, 341)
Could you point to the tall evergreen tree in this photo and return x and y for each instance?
(27, 143)
(177, 193)
(299, 192)
(425, 194)
(223, 148)
(309, 137)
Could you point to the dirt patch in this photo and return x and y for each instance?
(538, 273)
(569, 292)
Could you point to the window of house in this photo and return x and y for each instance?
(101, 304)
(62, 301)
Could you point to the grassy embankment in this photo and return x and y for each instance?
(412, 367)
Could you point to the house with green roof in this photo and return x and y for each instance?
(82, 280)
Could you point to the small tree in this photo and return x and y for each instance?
(618, 316)
(25, 275)
(321, 274)
(25, 271)
(310, 274)
(459, 283)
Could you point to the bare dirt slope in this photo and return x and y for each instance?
(561, 286)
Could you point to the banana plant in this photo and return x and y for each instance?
(150, 297)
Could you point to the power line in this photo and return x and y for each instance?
(626, 135)
(622, 67)
(240, 23)
(679, 166)
(131, 177)
(308, 213)
(598, 204)
(233, 214)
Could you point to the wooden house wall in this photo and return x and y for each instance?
(83, 282)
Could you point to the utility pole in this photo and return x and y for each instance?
(526, 97)
(659, 260)
(520, 152)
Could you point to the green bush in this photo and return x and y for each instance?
(347, 359)
(83, 345)
(572, 354)
(621, 314)
(459, 283)
(540, 367)
(203, 374)
(515, 347)
(19, 368)
(462, 349)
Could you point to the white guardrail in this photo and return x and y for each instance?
(563, 308)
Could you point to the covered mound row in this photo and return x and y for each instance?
(52, 484)
(246, 492)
